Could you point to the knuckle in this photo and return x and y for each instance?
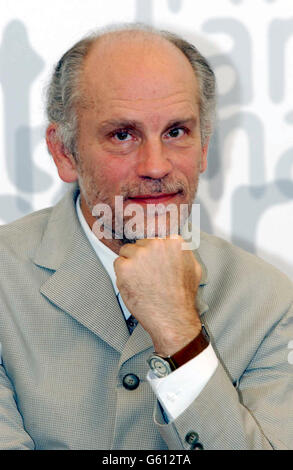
(118, 263)
(198, 269)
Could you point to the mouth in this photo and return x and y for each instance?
(153, 198)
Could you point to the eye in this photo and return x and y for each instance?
(122, 136)
(176, 132)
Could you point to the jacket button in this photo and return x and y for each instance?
(130, 381)
(197, 446)
(191, 438)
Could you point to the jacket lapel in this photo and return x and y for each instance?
(79, 284)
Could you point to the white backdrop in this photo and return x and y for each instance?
(246, 195)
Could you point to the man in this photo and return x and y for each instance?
(130, 115)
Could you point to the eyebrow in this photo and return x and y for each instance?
(130, 123)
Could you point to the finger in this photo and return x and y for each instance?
(198, 268)
(128, 250)
(117, 264)
(143, 241)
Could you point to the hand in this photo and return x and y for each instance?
(158, 282)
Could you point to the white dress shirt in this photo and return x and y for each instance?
(178, 390)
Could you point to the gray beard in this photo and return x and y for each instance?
(123, 239)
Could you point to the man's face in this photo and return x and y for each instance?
(139, 130)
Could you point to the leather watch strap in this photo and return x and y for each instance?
(191, 350)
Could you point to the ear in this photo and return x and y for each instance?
(204, 154)
(64, 160)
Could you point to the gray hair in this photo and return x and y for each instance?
(64, 93)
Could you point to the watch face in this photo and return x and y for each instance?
(159, 366)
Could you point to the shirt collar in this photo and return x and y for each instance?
(106, 256)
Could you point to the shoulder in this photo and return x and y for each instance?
(22, 236)
(232, 267)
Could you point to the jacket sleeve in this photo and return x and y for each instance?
(256, 413)
(12, 433)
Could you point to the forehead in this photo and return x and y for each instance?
(137, 71)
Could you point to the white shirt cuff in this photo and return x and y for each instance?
(180, 388)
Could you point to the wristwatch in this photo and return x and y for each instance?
(163, 366)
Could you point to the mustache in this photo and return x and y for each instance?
(152, 187)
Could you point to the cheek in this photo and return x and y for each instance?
(102, 166)
(111, 175)
(189, 166)
(115, 173)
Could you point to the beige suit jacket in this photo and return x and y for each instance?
(66, 348)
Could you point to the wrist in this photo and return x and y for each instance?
(172, 339)
(164, 365)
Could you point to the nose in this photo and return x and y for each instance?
(153, 161)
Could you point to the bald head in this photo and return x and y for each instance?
(136, 63)
(134, 48)
(138, 51)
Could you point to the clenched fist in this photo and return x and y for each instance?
(158, 282)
